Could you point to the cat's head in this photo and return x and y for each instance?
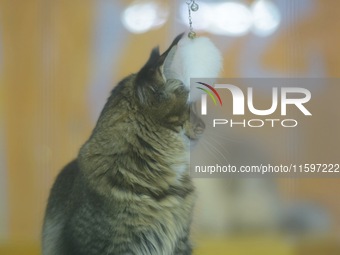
(157, 95)
(149, 94)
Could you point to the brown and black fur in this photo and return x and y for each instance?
(129, 191)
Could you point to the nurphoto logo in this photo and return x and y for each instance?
(280, 96)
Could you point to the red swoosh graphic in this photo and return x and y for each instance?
(213, 90)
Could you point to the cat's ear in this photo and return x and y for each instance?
(151, 78)
(152, 62)
(168, 54)
(167, 58)
(156, 61)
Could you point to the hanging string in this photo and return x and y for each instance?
(192, 6)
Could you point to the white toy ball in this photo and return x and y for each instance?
(193, 58)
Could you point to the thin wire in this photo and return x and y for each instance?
(191, 4)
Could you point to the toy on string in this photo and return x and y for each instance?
(192, 6)
(193, 57)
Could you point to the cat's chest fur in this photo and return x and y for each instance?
(143, 224)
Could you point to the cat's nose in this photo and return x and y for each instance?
(200, 129)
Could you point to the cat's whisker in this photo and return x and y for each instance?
(222, 146)
(215, 152)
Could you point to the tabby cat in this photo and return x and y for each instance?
(129, 190)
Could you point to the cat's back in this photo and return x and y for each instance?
(58, 207)
(63, 185)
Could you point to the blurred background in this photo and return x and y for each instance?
(60, 59)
